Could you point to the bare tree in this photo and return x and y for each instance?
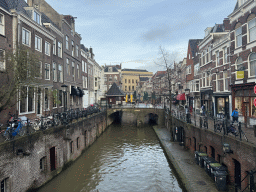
(22, 66)
(167, 60)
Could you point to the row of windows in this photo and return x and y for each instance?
(129, 88)
(251, 30)
(74, 49)
(252, 64)
(26, 40)
(129, 81)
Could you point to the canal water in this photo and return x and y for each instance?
(123, 159)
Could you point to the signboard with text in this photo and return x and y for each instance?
(240, 74)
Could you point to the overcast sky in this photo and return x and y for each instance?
(131, 31)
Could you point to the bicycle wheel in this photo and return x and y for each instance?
(22, 131)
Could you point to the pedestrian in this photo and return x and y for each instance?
(203, 109)
(235, 115)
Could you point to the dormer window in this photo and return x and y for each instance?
(110, 69)
(37, 17)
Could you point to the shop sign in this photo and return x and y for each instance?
(255, 89)
(254, 102)
(240, 74)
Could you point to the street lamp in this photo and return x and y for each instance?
(64, 89)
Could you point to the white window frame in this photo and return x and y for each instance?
(73, 49)
(54, 47)
(4, 181)
(60, 49)
(239, 64)
(249, 68)
(40, 70)
(33, 102)
(225, 79)
(251, 29)
(2, 24)
(196, 69)
(217, 53)
(2, 60)
(73, 70)
(47, 108)
(238, 34)
(47, 48)
(38, 43)
(225, 55)
(54, 72)
(60, 73)
(67, 66)
(37, 17)
(77, 50)
(78, 70)
(26, 37)
(217, 82)
(47, 66)
(67, 42)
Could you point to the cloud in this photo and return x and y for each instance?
(157, 33)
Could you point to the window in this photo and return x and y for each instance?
(217, 58)
(46, 99)
(43, 163)
(252, 60)
(189, 69)
(238, 33)
(60, 74)
(27, 100)
(125, 88)
(71, 147)
(47, 48)
(95, 82)
(54, 47)
(129, 81)
(209, 54)
(78, 71)
(55, 98)
(67, 66)
(125, 80)
(218, 83)
(77, 50)
(73, 70)
(60, 49)
(110, 69)
(110, 78)
(47, 71)
(252, 30)
(37, 17)
(26, 37)
(225, 55)
(2, 60)
(239, 64)
(77, 143)
(39, 70)
(197, 86)
(67, 41)
(73, 48)
(54, 72)
(2, 28)
(84, 82)
(196, 69)
(129, 88)
(226, 80)
(83, 65)
(38, 43)
(61, 98)
(4, 187)
(115, 78)
(133, 88)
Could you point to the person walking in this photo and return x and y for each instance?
(235, 115)
(203, 109)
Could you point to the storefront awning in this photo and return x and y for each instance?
(181, 97)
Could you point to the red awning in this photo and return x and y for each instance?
(181, 97)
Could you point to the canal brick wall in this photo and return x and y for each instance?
(30, 161)
(196, 139)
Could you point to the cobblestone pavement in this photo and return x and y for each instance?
(193, 177)
(249, 131)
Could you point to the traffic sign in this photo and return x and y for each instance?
(254, 102)
(255, 89)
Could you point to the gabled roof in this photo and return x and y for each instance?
(115, 91)
(218, 28)
(114, 69)
(144, 78)
(4, 5)
(194, 45)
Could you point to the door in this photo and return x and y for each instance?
(52, 158)
(237, 173)
(246, 110)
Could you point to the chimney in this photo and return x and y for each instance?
(226, 24)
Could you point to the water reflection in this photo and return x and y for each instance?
(124, 159)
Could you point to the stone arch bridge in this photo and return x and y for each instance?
(136, 116)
